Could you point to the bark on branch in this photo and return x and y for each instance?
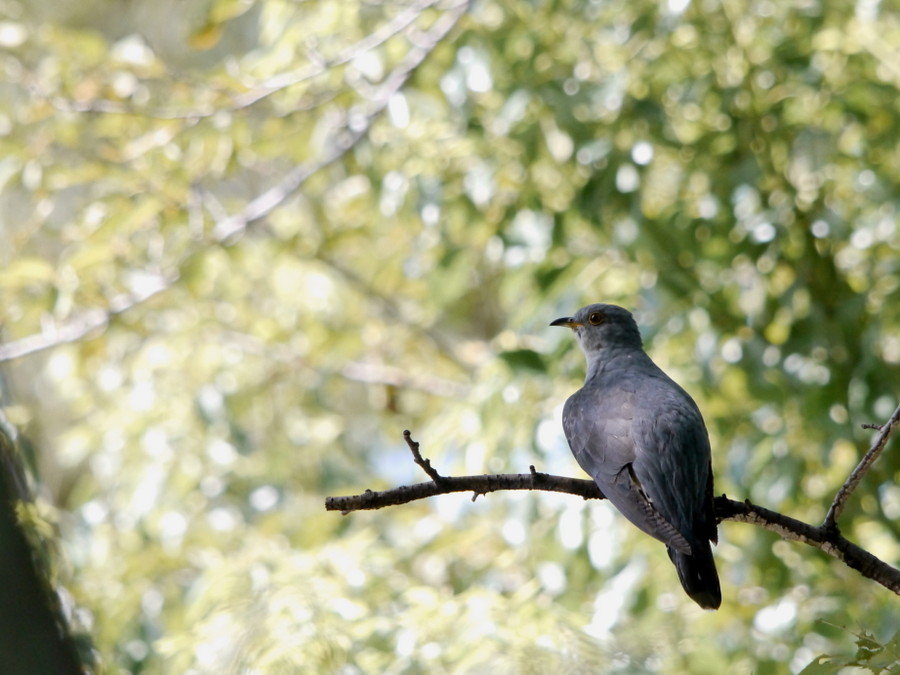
(825, 537)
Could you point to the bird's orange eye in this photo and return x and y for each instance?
(596, 318)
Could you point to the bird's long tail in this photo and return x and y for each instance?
(698, 575)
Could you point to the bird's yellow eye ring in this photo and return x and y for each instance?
(596, 318)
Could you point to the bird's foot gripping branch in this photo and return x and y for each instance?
(825, 537)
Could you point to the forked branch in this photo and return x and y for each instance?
(825, 537)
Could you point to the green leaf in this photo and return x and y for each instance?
(867, 647)
(524, 359)
(823, 665)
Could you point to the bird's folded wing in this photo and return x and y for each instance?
(662, 528)
(605, 449)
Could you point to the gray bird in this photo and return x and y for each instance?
(642, 439)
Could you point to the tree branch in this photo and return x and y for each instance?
(356, 124)
(825, 537)
(84, 323)
(355, 127)
(840, 499)
(477, 485)
(256, 91)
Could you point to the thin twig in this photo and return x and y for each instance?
(417, 457)
(391, 307)
(379, 373)
(840, 499)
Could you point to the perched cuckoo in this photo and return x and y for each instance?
(642, 439)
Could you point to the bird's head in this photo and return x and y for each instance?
(600, 326)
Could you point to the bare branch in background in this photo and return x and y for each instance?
(380, 373)
(85, 323)
(355, 125)
(257, 91)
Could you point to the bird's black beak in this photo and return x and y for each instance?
(567, 321)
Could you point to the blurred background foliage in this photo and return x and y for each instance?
(322, 222)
